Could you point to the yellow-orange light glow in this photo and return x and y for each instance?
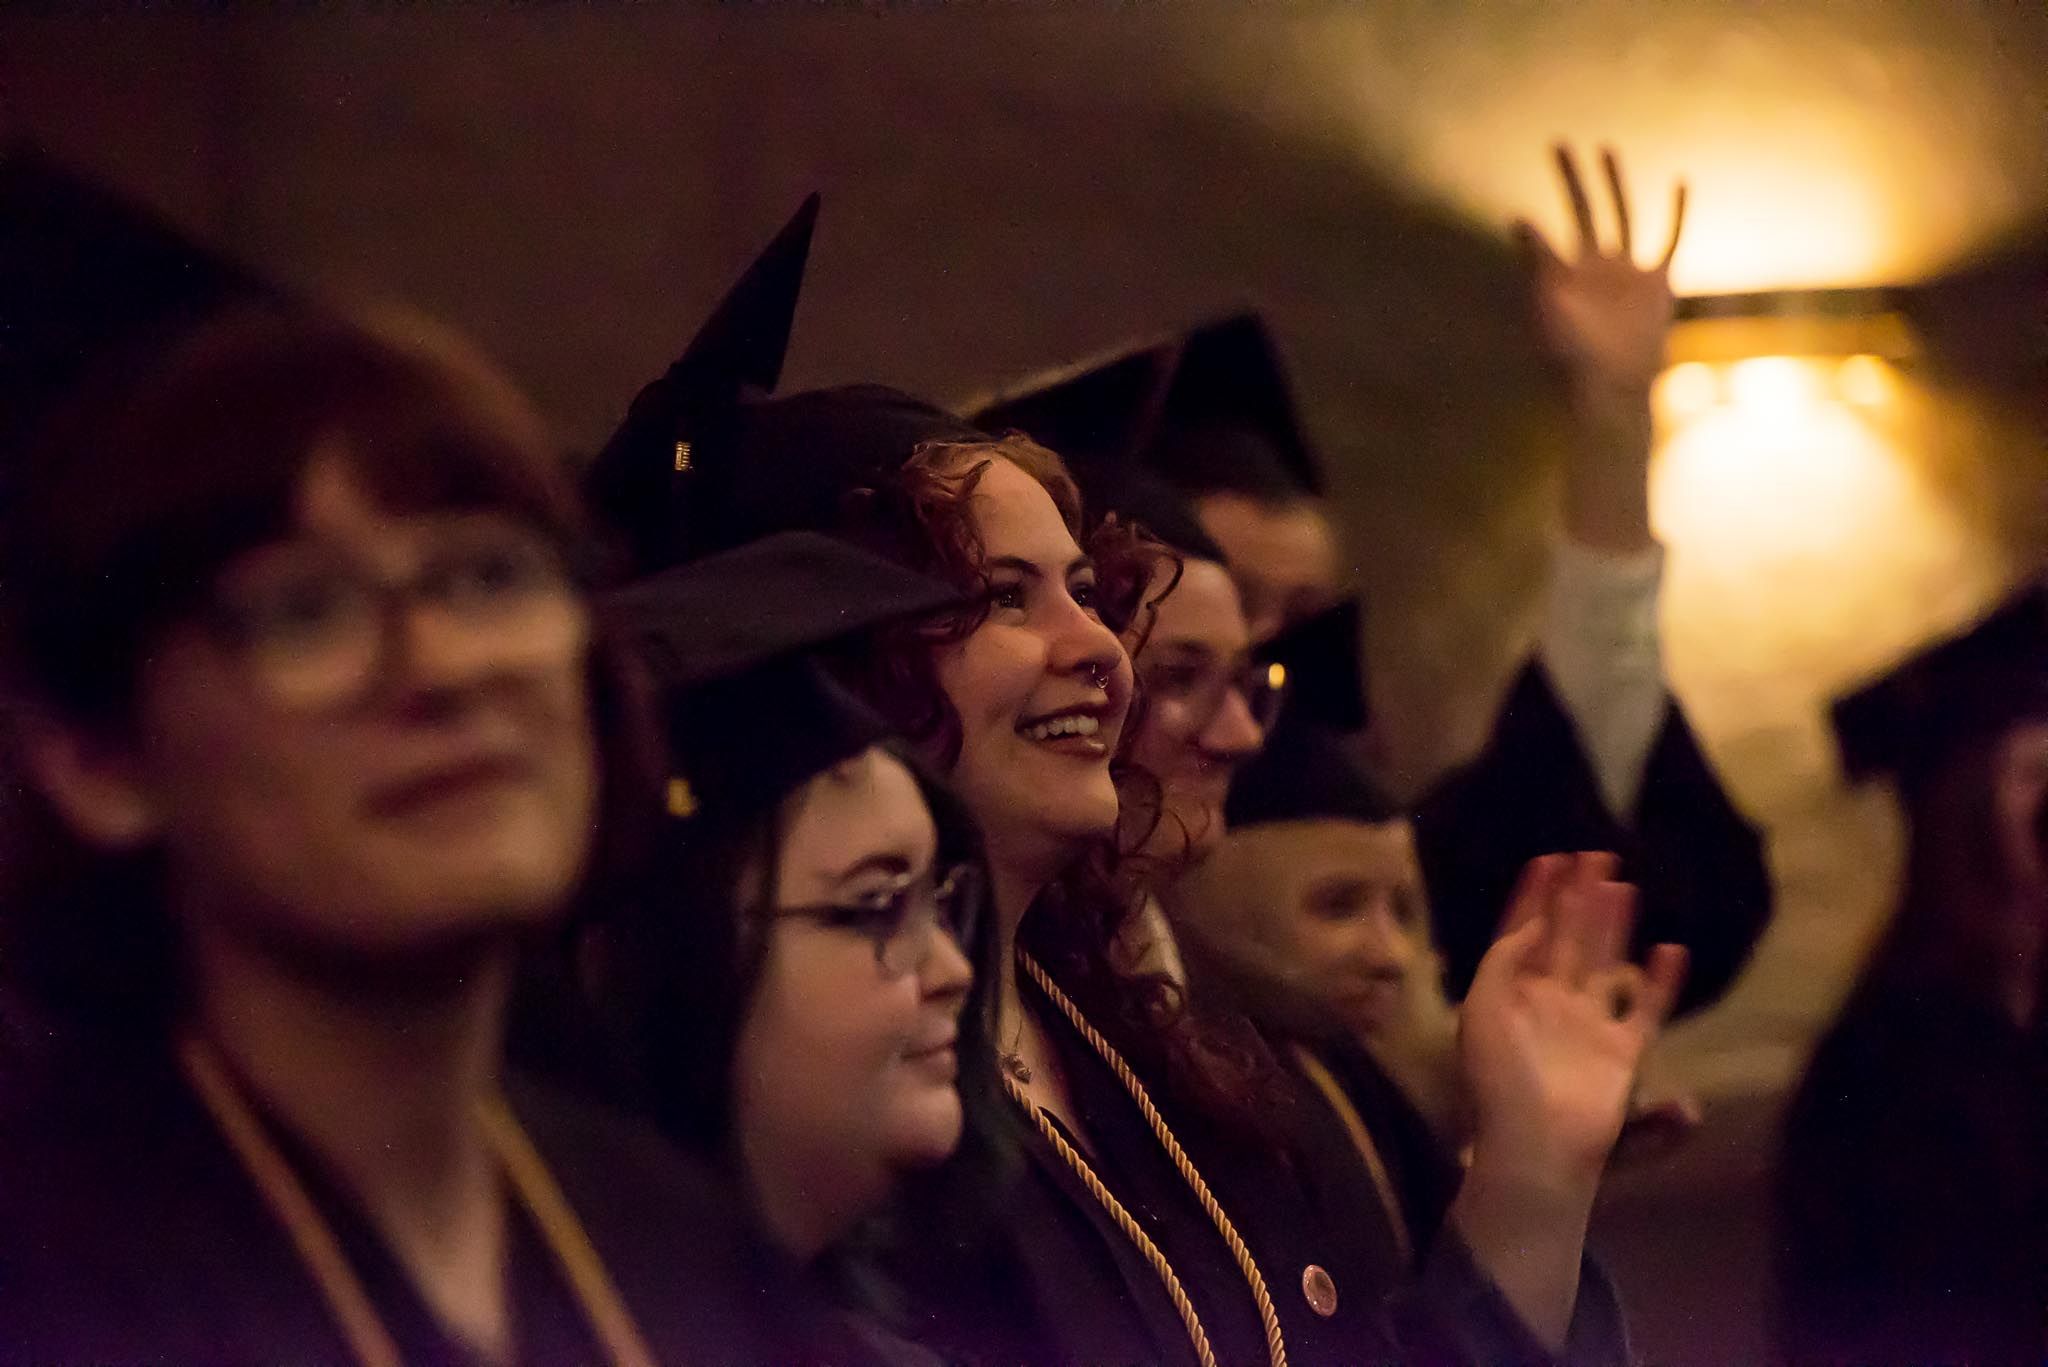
(1795, 522)
(1866, 381)
(1687, 391)
(1778, 387)
(1276, 675)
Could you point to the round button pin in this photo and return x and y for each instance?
(1319, 1290)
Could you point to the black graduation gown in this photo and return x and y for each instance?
(1699, 865)
(1056, 1281)
(1424, 1174)
(129, 1232)
(1913, 1191)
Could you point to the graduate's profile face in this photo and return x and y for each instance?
(846, 1060)
(1284, 555)
(1325, 919)
(1041, 686)
(363, 776)
(1198, 724)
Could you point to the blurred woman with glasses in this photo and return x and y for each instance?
(321, 736)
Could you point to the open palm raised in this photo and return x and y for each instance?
(1557, 1021)
(1602, 315)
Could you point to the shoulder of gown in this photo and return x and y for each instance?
(1531, 790)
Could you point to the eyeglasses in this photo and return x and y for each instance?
(1198, 691)
(902, 917)
(315, 628)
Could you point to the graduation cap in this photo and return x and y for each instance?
(706, 460)
(1101, 418)
(730, 641)
(91, 281)
(1209, 409)
(1305, 774)
(1323, 656)
(1967, 687)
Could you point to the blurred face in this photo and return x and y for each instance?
(846, 1062)
(343, 767)
(1322, 920)
(1041, 686)
(1283, 554)
(1198, 723)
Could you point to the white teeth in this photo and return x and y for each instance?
(1072, 724)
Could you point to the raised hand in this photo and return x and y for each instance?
(1557, 1021)
(1603, 316)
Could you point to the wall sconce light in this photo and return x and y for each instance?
(1772, 356)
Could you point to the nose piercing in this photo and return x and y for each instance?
(1099, 676)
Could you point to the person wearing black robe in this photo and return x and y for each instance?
(1588, 749)
(1912, 1195)
(313, 722)
(1104, 1241)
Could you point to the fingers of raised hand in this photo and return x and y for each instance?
(1590, 925)
(1612, 166)
(1582, 207)
(1535, 891)
(1660, 983)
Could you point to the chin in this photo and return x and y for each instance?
(928, 1132)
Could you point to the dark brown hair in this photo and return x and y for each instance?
(132, 497)
(1078, 923)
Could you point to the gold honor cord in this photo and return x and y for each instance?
(321, 1252)
(1361, 1139)
(1276, 1345)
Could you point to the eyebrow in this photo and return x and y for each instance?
(894, 862)
(1030, 570)
(1191, 648)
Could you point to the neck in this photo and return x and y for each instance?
(807, 1202)
(1015, 882)
(384, 1086)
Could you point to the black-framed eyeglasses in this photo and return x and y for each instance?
(314, 627)
(1199, 690)
(902, 917)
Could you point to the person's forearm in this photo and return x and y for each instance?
(1607, 494)
(1526, 1229)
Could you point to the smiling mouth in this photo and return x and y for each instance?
(1076, 731)
(453, 783)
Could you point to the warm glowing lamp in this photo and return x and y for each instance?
(1688, 390)
(1772, 386)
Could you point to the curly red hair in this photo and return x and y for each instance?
(1076, 925)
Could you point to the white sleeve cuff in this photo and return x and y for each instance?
(1600, 644)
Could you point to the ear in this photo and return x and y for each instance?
(94, 782)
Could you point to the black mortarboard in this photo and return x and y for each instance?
(1966, 687)
(706, 460)
(636, 482)
(1305, 774)
(1101, 417)
(1209, 409)
(90, 281)
(1323, 655)
(729, 642)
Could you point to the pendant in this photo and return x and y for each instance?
(1015, 1066)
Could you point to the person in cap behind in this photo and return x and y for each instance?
(800, 977)
(1588, 750)
(1912, 1198)
(1119, 1242)
(319, 736)
(1313, 913)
